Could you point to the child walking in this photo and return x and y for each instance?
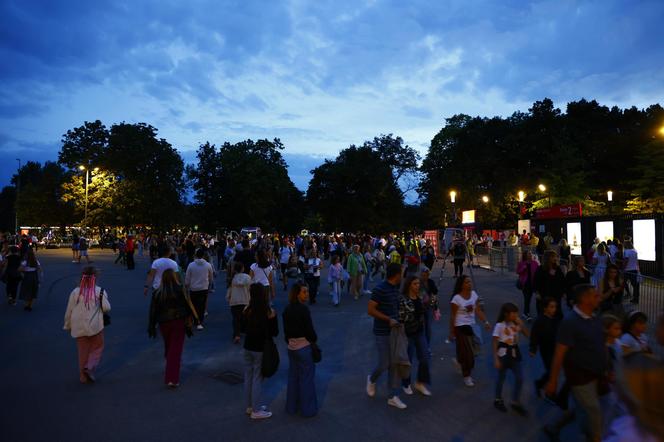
(507, 355)
(543, 338)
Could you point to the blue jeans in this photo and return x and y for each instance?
(301, 391)
(509, 362)
(252, 378)
(417, 345)
(383, 348)
(428, 320)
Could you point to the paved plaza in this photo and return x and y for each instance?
(42, 398)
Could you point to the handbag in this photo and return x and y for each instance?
(106, 317)
(316, 353)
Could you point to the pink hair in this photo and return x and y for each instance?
(88, 290)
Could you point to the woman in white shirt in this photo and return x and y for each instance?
(261, 273)
(465, 306)
(312, 267)
(84, 317)
(238, 298)
(32, 273)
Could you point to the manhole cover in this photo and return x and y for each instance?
(230, 377)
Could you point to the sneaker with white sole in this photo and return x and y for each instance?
(371, 387)
(260, 414)
(199, 327)
(407, 390)
(250, 410)
(468, 381)
(422, 389)
(396, 402)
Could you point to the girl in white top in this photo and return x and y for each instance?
(465, 306)
(238, 297)
(261, 272)
(635, 340)
(84, 318)
(507, 355)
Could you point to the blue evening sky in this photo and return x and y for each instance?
(320, 75)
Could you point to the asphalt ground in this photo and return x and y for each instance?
(41, 397)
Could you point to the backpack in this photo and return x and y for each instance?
(458, 249)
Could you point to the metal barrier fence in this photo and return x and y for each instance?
(504, 260)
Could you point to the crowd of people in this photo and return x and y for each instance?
(580, 327)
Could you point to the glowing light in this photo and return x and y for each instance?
(81, 167)
(609, 195)
(522, 195)
(453, 196)
(542, 188)
(485, 199)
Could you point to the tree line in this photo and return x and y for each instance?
(137, 178)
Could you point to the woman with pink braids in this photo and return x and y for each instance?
(84, 318)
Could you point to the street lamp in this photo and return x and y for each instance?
(522, 196)
(453, 200)
(18, 188)
(661, 130)
(609, 198)
(87, 177)
(485, 199)
(542, 188)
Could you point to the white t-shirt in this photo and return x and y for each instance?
(284, 254)
(507, 333)
(313, 262)
(631, 259)
(261, 274)
(466, 313)
(159, 265)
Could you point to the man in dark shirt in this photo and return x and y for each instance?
(246, 255)
(581, 351)
(384, 308)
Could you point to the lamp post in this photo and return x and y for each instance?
(485, 199)
(522, 196)
(609, 198)
(18, 188)
(87, 176)
(453, 200)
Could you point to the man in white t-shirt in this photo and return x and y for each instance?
(159, 265)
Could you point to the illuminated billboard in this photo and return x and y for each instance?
(604, 230)
(467, 217)
(644, 239)
(574, 238)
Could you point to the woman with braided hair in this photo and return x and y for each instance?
(84, 318)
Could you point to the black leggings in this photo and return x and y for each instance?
(198, 299)
(458, 267)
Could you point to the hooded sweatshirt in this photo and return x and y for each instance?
(199, 274)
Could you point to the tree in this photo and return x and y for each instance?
(7, 207)
(401, 159)
(648, 186)
(206, 179)
(84, 145)
(356, 191)
(39, 200)
(102, 195)
(254, 187)
(149, 173)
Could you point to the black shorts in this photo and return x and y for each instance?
(284, 268)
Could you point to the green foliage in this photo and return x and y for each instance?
(245, 184)
(39, 198)
(102, 194)
(577, 155)
(356, 191)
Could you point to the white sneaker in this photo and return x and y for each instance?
(199, 327)
(422, 389)
(371, 387)
(468, 381)
(250, 410)
(261, 414)
(407, 390)
(396, 402)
